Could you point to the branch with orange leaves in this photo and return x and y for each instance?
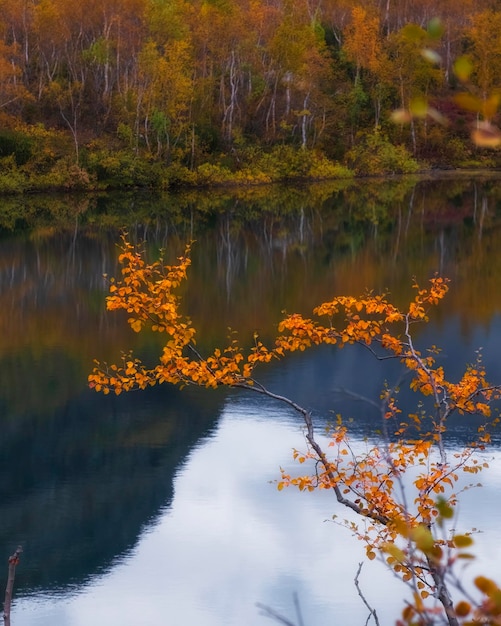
(373, 484)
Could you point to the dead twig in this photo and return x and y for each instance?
(269, 612)
(372, 612)
(13, 561)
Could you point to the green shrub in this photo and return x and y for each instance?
(251, 176)
(65, 174)
(375, 155)
(12, 180)
(285, 163)
(289, 163)
(16, 144)
(177, 175)
(212, 174)
(120, 168)
(323, 168)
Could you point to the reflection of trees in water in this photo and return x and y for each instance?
(53, 286)
(62, 259)
(232, 254)
(272, 237)
(253, 260)
(292, 248)
(431, 226)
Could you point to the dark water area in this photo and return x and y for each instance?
(91, 484)
(79, 485)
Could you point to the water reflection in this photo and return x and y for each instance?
(228, 540)
(126, 507)
(80, 485)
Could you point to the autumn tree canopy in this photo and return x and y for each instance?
(183, 80)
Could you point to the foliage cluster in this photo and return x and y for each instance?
(374, 155)
(102, 167)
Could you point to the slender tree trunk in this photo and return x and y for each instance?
(304, 119)
(229, 111)
(271, 115)
(72, 124)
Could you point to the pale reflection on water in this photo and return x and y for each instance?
(229, 540)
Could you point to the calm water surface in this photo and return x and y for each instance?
(160, 507)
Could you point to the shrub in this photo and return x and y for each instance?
(12, 179)
(375, 155)
(16, 144)
(213, 174)
(321, 167)
(115, 169)
(65, 174)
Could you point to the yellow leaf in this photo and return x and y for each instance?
(485, 585)
(401, 116)
(395, 552)
(136, 325)
(463, 68)
(462, 608)
(419, 107)
(490, 106)
(468, 102)
(462, 541)
(423, 538)
(486, 135)
(431, 56)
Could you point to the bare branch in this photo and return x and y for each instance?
(13, 561)
(372, 612)
(298, 610)
(357, 396)
(269, 612)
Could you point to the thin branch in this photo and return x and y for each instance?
(298, 610)
(379, 357)
(269, 612)
(441, 403)
(310, 436)
(372, 612)
(357, 396)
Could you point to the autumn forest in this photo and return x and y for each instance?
(114, 93)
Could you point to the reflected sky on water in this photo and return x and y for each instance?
(229, 540)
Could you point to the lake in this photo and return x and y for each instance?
(161, 507)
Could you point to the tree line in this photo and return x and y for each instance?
(222, 81)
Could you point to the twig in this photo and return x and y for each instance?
(300, 621)
(372, 612)
(269, 612)
(356, 396)
(13, 561)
